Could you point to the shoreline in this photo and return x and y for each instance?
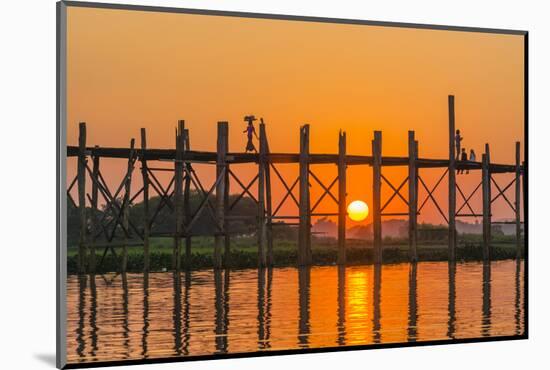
(161, 261)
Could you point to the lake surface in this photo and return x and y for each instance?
(137, 316)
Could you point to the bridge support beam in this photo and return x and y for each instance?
(268, 201)
(186, 198)
(178, 195)
(452, 180)
(342, 212)
(262, 230)
(81, 178)
(376, 196)
(486, 189)
(126, 206)
(221, 171)
(413, 198)
(145, 179)
(304, 231)
(94, 219)
(517, 200)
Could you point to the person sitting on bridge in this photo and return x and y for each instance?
(250, 132)
(458, 139)
(463, 158)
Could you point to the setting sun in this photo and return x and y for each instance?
(358, 210)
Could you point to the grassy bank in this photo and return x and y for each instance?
(324, 252)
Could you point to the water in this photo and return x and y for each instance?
(137, 316)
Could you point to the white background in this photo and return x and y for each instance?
(27, 182)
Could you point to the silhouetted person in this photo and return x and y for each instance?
(458, 139)
(250, 132)
(472, 158)
(463, 158)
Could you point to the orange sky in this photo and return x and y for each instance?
(132, 69)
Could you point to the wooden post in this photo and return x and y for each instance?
(517, 200)
(413, 201)
(186, 198)
(145, 177)
(304, 232)
(226, 236)
(342, 213)
(268, 202)
(81, 175)
(486, 189)
(220, 191)
(178, 195)
(452, 180)
(126, 205)
(262, 255)
(94, 219)
(376, 195)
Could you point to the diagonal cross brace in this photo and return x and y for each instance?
(395, 192)
(501, 192)
(430, 196)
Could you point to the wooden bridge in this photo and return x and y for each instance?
(175, 195)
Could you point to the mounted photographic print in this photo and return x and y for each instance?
(236, 184)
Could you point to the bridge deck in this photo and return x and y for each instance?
(236, 158)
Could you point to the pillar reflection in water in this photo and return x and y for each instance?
(265, 278)
(517, 303)
(221, 283)
(180, 314)
(451, 325)
(486, 320)
(186, 312)
(93, 316)
(125, 314)
(145, 329)
(304, 301)
(176, 314)
(413, 306)
(80, 337)
(377, 287)
(341, 325)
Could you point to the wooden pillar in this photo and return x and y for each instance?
(413, 201)
(220, 191)
(126, 206)
(376, 195)
(81, 178)
(145, 179)
(517, 200)
(268, 203)
(94, 218)
(342, 212)
(304, 232)
(262, 232)
(226, 235)
(186, 199)
(178, 195)
(486, 190)
(452, 180)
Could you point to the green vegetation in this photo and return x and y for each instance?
(324, 252)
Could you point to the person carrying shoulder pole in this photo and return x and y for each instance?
(250, 133)
(458, 139)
